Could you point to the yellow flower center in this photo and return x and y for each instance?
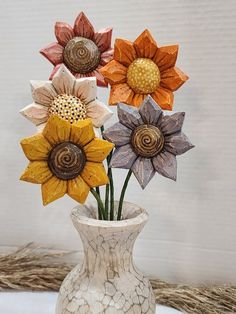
(68, 107)
(143, 76)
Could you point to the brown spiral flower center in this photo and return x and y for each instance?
(66, 160)
(81, 55)
(147, 140)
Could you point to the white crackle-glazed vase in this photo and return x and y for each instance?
(108, 281)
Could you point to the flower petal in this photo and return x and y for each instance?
(164, 98)
(86, 89)
(98, 112)
(35, 113)
(172, 124)
(37, 172)
(173, 78)
(56, 130)
(120, 93)
(83, 27)
(145, 45)
(114, 72)
(97, 150)
(78, 189)
(94, 174)
(43, 92)
(40, 127)
(129, 116)
(150, 111)
(54, 71)
(166, 56)
(118, 134)
(100, 78)
(143, 171)
(82, 132)
(138, 99)
(63, 32)
(106, 56)
(63, 81)
(36, 147)
(165, 164)
(177, 143)
(124, 51)
(123, 157)
(53, 52)
(53, 189)
(102, 39)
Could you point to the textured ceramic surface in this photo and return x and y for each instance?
(108, 281)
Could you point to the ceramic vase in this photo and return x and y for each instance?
(107, 281)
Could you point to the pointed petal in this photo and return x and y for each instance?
(37, 172)
(173, 78)
(120, 93)
(36, 147)
(138, 99)
(53, 189)
(123, 157)
(54, 71)
(98, 112)
(177, 143)
(114, 72)
(100, 78)
(86, 89)
(97, 150)
(118, 134)
(35, 113)
(143, 171)
(94, 174)
(166, 56)
(56, 130)
(145, 45)
(129, 116)
(83, 27)
(164, 98)
(150, 111)
(63, 32)
(124, 51)
(53, 52)
(43, 92)
(63, 81)
(107, 56)
(165, 164)
(78, 189)
(82, 132)
(172, 124)
(102, 39)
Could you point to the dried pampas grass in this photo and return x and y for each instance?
(34, 268)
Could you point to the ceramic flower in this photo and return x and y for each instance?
(147, 141)
(66, 158)
(142, 68)
(67, 97)
(80, 48)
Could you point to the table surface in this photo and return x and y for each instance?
(43, 303)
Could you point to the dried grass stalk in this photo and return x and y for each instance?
(35, 268)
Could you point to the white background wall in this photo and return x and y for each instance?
(191, 234)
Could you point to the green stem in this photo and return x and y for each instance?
(122, 194)
(107, 200)
(98, 190)
(111, 194)
(101, 208)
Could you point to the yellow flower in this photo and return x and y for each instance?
(66, 158)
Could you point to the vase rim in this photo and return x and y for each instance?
(138, 216)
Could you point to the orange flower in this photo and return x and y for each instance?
(142, 68)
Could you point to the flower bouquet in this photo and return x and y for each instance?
(67, 153)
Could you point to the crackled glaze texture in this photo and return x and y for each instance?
(108, 281)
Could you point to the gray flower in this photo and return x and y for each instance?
(147, 141)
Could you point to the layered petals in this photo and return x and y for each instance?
(97, 150)
(166, 56)
(36, 147)
(143, 171)
(114, 72)
(78, 189)
(138, 99)
(82, 132)
(56, 130)
(94, 174)
(129, 116)
(149, 111)
(37, 172)
(63, 81)
(100, 78)
(118, 134)
(165, 164)
(36, 113)
(86, 89)
(145, 45)
(53, 52)
(124, 51)
(123, 157)
(102, 39)
(178, 143)
(83, 27)
(43, 92)
(106, 56)
(173, 78)
(164, 98)
(53, 189)
(173, 123)
(98, 112)
(63, 32)
(121, 93)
